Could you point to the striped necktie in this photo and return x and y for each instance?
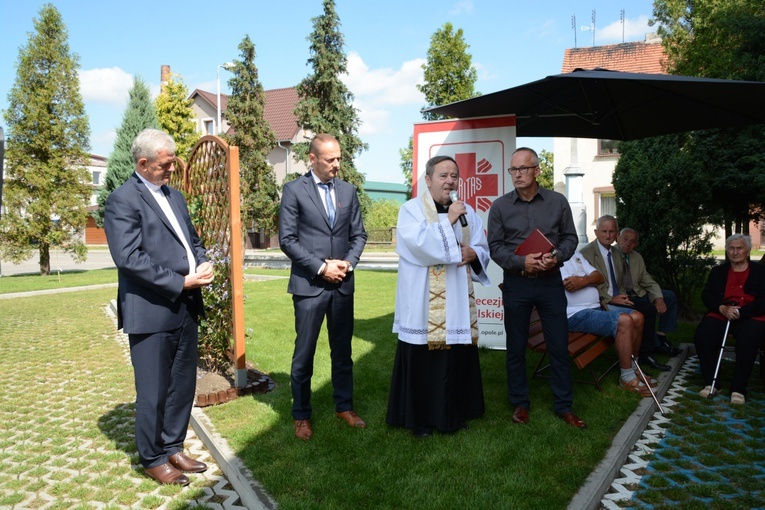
(629, 286)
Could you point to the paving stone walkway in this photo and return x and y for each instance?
(702, 454)
(67, 408)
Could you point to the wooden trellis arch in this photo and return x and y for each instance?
(211, 183)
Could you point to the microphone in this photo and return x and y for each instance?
(454, 196)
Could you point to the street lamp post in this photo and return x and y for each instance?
(226, 65)
(2, 161)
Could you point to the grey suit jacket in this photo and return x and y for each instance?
(150, 258)
(591, 253)
(306, 238)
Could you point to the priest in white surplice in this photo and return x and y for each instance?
(436, 381)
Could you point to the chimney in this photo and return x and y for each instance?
(164, 77)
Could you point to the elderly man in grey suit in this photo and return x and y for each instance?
(162, 266)
(321, 231)
(607, 259)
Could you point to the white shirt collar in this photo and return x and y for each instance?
(153, 187)
(603, 250)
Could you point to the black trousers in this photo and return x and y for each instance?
(309, 317)
(521, 295)
(649, 341)
(165, 368)
(708, 340)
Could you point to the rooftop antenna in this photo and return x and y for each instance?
(591, 27)
(623, 23)
(573, 26)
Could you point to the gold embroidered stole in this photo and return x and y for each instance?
(437, 288)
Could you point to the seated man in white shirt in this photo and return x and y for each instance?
(585, 314)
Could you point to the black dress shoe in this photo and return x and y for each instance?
(650, 361)
(667, 348)
(663, 349)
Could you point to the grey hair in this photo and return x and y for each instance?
(528, 149)
(149, 142)
(628, 229)
(736, 237)
(606, 217)
(430, 166)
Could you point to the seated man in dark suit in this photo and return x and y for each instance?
(641, 286)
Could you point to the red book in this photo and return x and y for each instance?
(535, 243)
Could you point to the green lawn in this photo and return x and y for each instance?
(26, 283)
(493, 464)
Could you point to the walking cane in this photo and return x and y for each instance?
(719, 360)
(647, 383)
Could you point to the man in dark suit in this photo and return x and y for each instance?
(321, 231)
(162, 266)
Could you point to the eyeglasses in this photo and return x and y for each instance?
(523, 170)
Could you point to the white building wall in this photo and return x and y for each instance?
(597, 170)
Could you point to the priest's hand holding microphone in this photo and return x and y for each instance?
(458, 209)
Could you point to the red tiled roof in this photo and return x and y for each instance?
(634, 57)
(279, 106)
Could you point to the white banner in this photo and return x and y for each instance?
(482, 148)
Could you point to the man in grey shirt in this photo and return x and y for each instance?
(534, 280)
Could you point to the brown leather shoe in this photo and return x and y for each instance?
(352, 418)
(521, 415)
(303, 430)
(166, 474)
(573, 420)
(187, 464)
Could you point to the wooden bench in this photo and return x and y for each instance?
(583, 348)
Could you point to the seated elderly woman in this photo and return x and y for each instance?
(735, 293)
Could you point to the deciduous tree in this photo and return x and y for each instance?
(546, 178)
(47, 188)
(722, 39)
(175, 116)
(255, 138)
(139, 115)
(652, 180)
(448, 75)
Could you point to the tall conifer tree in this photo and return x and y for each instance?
(246, 115)
(175, 115)
(139, 115)
(47, 186)
(326, 104)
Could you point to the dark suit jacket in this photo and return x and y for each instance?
(714, 291)
(151, 259)
(305, 236)
(592, 254)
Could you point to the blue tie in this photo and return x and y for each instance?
(330, 206)
(613, 275)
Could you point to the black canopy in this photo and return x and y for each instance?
(618, 106)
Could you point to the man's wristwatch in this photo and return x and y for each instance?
(554, 252)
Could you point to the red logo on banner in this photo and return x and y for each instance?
(477, 186)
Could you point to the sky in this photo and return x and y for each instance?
(512, 42)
